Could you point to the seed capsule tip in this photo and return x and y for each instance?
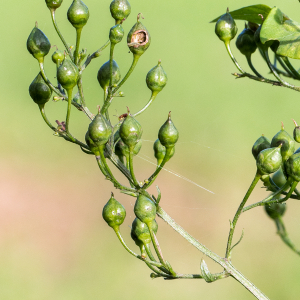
(282, 126)
(296, 125)
(112, 194)
(36, 24)
(99, 108)
(227, 10)
(169, 116)
(140, 15)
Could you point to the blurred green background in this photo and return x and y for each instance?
(53, 241)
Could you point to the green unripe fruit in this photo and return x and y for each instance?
(78, 14)
(122, 150)
(116, 34)
(99, 130)
(58, 57)
(67, 74)
(226, 28)
(292, 166)
(130, 131)
(145, 209)
(258, 42)
(138, 39)
(38, 44)
(39, 91)
(296, 132)
(114, 213)
(278, 178)
(275, 210)
(53, 4)
(92, 146)
(160, 151)
(140, 232)
(156, 78)
(269, 161)
(245, 42)
(104, 75)
(168, 134)
(120, 9)
(287, 142)
(261, 143)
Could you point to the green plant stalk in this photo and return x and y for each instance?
(101, 167)
(52, 11)
(69, 92)
(221, 261)
(238, 213)
(156, 246)
(288, 72)
(284, 235)
(78, 36)
(42, 110)
(153, 96)
(135, 182)
(286, 60)
(252, 67)
(227, 45)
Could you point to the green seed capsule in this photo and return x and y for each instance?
(296, 132)
(275, 210)
(168, 134)
(122, 150)
(156, 78)
(269, 161)
(38, 44)
(278, 178)
(262, 143)
(99, 131)
(292, 166)
(138, 39)
(140, 232)
(53, 4)
(130, 131)
(92, 146)
(114, 213)
(258, 42)
(67, 74)
(160, 151)
(245, 42)
(78, 14)
(145, 209)
(104, 75)
(288, 144)
(120, 9)
(116, 34)
(39, 91)
(58, 57)
(226, 28)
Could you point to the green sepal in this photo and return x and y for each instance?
(168, 134)
(114, 213)
(226, 28)
(156, 78)
(140, 232)
(53, 4)
(160, 151)
(58, 57)
(116, 34)
(138, 39)
(292, 167)
(120, 9)
(288, 144)
(103, 75)
(275, 210)
(145, 209)
(39, 91)
(78, 14)
(245, 42)
(261, 143)
(269, 161)
(67, 74)
(38, 44)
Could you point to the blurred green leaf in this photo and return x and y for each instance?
(249, 13)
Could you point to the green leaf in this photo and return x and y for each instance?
(249, 13)
(278, 26)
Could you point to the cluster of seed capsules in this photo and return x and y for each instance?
(123, 140)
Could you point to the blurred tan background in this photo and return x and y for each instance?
(53, 241)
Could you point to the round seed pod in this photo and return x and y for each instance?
(160, 151)
(245, 42)
(145, 209)
(156, 78)
(53, 4)
(67, 74)
(130, 132)
(116, 34)
(39, 91)
(138, 39)
(114, 213)
(140, 232)
(122, 150)
(261, 143)
(287, 142)
(78, 14)
(168, 134)
(275, 210)
(269, 161)
(58, 57)
(292, 167)
(226, 28)
(120, 9)
(296, 132)
(278, 178)
(104, 75)
(38, 44)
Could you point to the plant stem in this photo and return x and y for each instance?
(69, 92)
(252, 67)
(156, 246)
(135, 182)
(238, 213)
(286, 60)
(153, 96)
(227, 45)
(42, 110)
(78, 36)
